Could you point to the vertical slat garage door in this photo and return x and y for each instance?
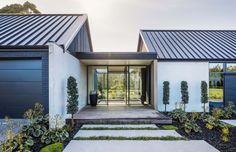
(230, 88)
(20, 86)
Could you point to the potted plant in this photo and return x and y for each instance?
(93, 98)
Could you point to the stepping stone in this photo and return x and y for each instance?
(139, 146)
(121, 126)
(232, 122)
(127, 133)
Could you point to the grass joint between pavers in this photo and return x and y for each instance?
(129, 138)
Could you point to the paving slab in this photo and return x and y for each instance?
(139, 146)
(120, 126)
(232, 122)
(127, 133)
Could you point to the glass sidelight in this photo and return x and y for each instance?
(97, 82)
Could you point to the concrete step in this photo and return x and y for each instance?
(120, 126)
(139, 146)
(127, 133)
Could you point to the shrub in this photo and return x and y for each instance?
(57, 147)
(228, 110)
(166, 93)
(72, 99)
(204, 94)
(179, 114)
(54, 135)
(217, 113)
(184, 93)
(191, 126)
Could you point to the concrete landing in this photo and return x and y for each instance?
(139, 146)
(120, 114)
(127, 133)
(231, 122)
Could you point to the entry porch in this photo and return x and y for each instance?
(121, 114)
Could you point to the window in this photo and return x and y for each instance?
(216, 82)
(231, 67)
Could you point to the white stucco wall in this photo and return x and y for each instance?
(61, 66)
(175, 72)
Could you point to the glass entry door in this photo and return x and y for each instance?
(119, 85)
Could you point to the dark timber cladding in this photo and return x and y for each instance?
(116, 55)
(36, 30)
(191, 44)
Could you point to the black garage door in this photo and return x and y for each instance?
(20, 86)
(230, 88)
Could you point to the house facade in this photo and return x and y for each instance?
(39, 52)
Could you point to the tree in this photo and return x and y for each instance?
(26, 8)
(184, 92)
(72, 99)
(204, 94)
(166, 93)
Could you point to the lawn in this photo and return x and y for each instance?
(215, 93)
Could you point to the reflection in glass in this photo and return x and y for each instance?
(216, 87)
(231, 67)
(216, 67)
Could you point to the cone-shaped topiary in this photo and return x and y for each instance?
(72, 99)
(166, 93)
(184, 93)
(204, 94)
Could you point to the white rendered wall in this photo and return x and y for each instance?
(175, 72)
(61, 66)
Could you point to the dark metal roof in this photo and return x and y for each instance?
(190, 44)
(36, 30)
(116, 55)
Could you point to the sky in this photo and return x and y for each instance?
(115, 24)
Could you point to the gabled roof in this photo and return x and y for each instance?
(36, 30)
(190, 44)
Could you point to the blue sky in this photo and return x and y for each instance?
(115, 24)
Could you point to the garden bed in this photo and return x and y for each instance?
(213, 136)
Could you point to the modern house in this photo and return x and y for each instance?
(39, 52)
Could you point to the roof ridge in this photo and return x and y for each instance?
(16, 14)
(187, 30)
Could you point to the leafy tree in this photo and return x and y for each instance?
(166, 93)
(184, 92)
(204, 94)
(26, 8)
(72, 99)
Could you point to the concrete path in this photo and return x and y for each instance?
(232, 122)
(121, 126)
(139, 146)
(127, 133)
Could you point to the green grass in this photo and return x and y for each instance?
(168, 127)
(118, 128)
(129, 138)
(215, 93)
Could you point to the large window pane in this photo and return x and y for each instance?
(231, 67)
(216, 67)
(216, 87)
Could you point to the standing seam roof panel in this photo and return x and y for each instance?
(27, 29)
(176, 45)
(193, 44)
(215, 38)
(32, 32)
(186, 46)
(170, 46)
(215, 46)
(214, 51)
(198, 46)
